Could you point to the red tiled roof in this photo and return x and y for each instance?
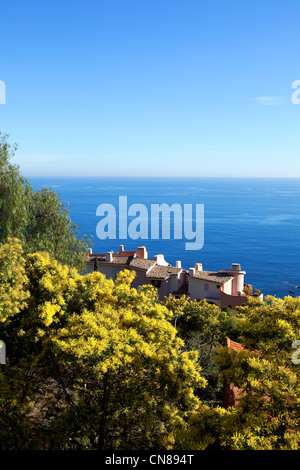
(238, 347)
(233, 345)
(126, 253)
(96, 255)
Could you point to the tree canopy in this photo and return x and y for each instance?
(96, 364)
(91, 363)
(267, 414)
(39, 219)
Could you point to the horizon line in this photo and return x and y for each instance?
(162, 176)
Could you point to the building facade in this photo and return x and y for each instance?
(224, 288)
(157, 271)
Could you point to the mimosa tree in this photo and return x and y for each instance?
(91, 363)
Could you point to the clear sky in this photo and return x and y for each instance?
(152, 87)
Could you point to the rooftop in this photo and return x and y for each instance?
(157, 268)
(116, 259)
(142, 263)
(213, 276)
(233, 345)
(162, 272)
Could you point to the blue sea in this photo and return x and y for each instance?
(251, 221)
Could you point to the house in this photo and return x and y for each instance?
(230, 391)
(157, 271)
(223, 288)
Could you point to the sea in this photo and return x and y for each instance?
(251, 221)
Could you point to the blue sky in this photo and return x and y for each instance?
(158, 88)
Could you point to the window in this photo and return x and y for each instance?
(205, 287)
(156, 283)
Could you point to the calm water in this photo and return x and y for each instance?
(254, 222)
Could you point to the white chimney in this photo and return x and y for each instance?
(160, 260)
(90, 251)
(192, 272)
(178, 264)
(238, 281)
(109, 256)
(121, 248)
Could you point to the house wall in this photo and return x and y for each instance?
(167, 286)
(230, 395)
(232, 301)
(176, 282)
(140, 278)
(89, 268)
(164, 290)
(110, 270)
(227, 288)
(197, 291)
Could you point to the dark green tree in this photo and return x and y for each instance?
(96, 264)
(39, 219)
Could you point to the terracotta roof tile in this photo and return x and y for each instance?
(238, 347)
(126, 253)
(233, 345)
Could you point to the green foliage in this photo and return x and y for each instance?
(203, 327)
(206, 430)
(38, 219)
(91, 363)
(96, 364)
(267, 414)
(96, 264)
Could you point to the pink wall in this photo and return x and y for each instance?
(232, 300)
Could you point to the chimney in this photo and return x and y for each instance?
(198, 267)
(238, 281)
(160, 259)
(90, 251)
(192, 272)
(121, 249)
(141, 252)
(178, 264)
(235, 267)
(109, 256)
